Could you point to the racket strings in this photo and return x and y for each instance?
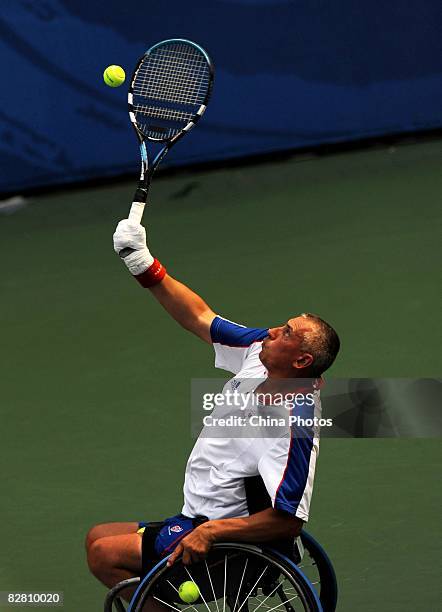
(164, 85)
(179, 74)
(187, 63)
(163, 113)
(187, 69)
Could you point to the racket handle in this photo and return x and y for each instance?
(135, 215)
(136, 212)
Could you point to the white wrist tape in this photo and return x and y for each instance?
(138, 261)
(133, 236)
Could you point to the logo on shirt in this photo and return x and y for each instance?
(176, 528)
(235, 384)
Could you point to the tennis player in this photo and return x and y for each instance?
(252, 489)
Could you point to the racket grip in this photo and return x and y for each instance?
(136, 212)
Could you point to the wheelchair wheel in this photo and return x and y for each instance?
(233, 578)
(315, 564)
(113, 601)
(318, 568)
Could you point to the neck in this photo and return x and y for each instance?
(283, 384)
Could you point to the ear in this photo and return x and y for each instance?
(303, 361)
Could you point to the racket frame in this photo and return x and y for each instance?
(149, 165)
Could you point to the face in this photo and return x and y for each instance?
(281, 351)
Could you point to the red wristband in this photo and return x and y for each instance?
(152, 276)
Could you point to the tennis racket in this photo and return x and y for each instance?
(168, 94)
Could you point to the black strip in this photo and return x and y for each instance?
(149, 556)
(258, 500)
(256, 494)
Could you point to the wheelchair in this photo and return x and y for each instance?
(238, 578)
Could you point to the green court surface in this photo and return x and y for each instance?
(96, 378)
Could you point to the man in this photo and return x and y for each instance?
(219, 503)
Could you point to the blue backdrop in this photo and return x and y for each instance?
(289, 73)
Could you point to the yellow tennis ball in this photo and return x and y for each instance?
(114, 76)
(188, 592)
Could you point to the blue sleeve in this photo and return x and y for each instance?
(231, 334)
(294, 491)
(294, 483)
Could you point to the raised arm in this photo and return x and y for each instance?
(183, 304)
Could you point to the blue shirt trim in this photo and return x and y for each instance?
(291, 488)
(232, 334)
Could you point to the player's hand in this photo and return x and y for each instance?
(133, 236)
(193, 547)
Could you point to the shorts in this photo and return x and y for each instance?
(161, 538)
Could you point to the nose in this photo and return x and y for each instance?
(273, 332)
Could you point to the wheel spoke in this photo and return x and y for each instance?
(283, 603)
(240, 584)
(166, 604)
(251, 590)
(211, 584)
(202, 596)
(267, 607)
(225, 582)
(269, 595)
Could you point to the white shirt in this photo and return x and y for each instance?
(217, 466)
